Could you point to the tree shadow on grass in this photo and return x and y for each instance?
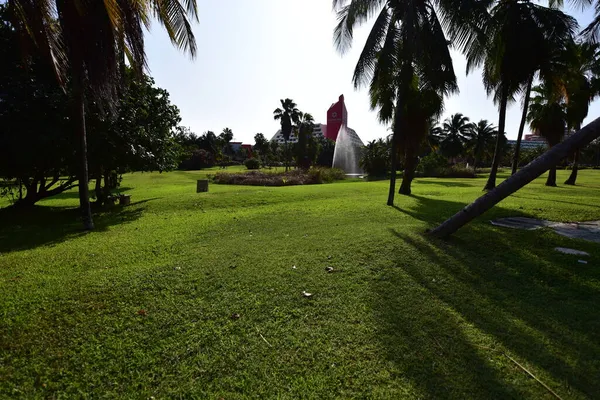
(74, 194)
(441, 182)
(22, 229)
(435, 211)
(427, 345)
(520, 196)
(537, 308)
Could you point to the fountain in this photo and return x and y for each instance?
(346, 153)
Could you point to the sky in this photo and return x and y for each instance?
(253, 53)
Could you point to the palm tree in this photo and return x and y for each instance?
(287, 115)
(548, 118)
(304, 129)
(86, 42)
(455, 130)
(517, 41)
(580, 86)
(406, 53)
(478, 139)
(225, 138)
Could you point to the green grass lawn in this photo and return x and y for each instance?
(143, 305)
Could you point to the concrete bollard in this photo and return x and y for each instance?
(202, 185)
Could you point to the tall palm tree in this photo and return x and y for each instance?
(455, 131)
(479, 138)
(405, 45)
(86, 41)
(580, 86)
(304, 129)
(517, 41)
(288, 115)
(547, 116)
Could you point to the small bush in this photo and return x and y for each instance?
(326, 175)
(252, 163)
(432, 164)
(455, 171)
(296, 177)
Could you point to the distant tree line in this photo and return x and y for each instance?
(459, 142)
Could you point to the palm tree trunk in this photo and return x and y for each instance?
(287, 162)
(79, 118)
(573, 177)
(515, 163)
(527, 174)
(394, 155)
(410, 163)
(551, 181)
(491, 183)
(394, 166)
(475, 162)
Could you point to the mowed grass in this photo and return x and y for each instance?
(143, 305)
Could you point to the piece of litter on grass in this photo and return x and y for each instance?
(329, 269)
(176, 268)
(582, 261)
(305, 294)
(142, 312)
(566, 250)
(235, 316)
(293, 267)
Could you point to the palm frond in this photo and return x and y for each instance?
(174, 17)
(365, 67)
(351, 16)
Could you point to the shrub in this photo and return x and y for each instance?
(455, 171)
(326, 175)
(295, 177)
(375, 159)
(252, 163)
(432, 164)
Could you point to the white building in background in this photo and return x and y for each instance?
(337, 116)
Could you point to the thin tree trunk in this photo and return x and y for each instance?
(79, 117)
(515, 163)
(410, 163)
(491, 183)
(286, 156)
(551, 181)
(527, 174)
(475, 162)
(394, 166)
(394, 155)
(573, 177)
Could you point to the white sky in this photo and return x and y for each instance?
(253, 53)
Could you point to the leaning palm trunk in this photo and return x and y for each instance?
(491, 183)
(527, 174)
(573, 177)
(79, 118)
(515, 163)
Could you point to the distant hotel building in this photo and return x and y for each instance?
(337, 115)
(533, 140)
(530, 141)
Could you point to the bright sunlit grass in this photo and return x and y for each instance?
(148, 304)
